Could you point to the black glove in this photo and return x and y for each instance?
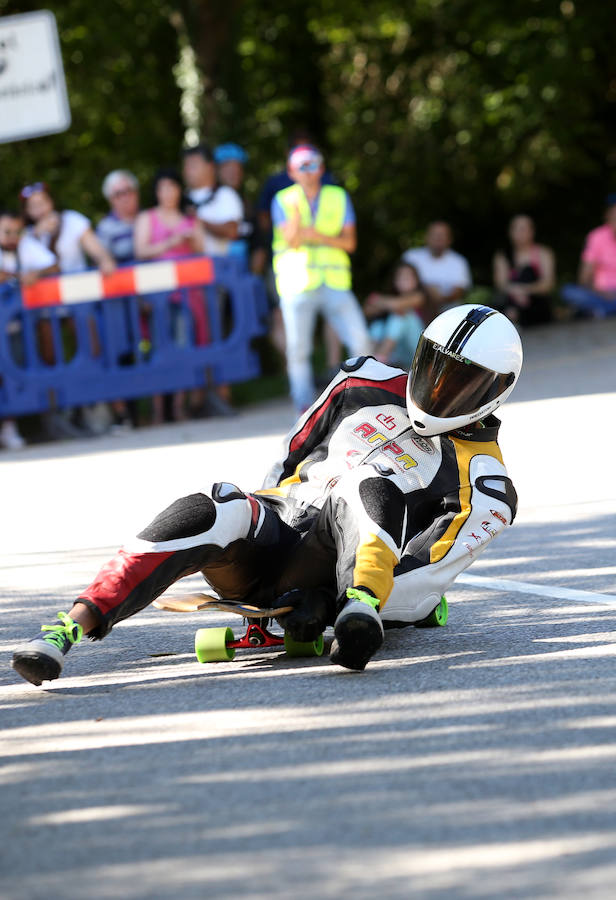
(313, 609)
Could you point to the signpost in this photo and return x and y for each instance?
(33, 98)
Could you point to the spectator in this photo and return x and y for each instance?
(116, 233)
(231, 159)
(22, 259)
(281, 180)
(69, 236)
(167, 232)
(116, 230)
(220, 210)
(314, 233)
(218, 206)
(262, 258)
(596, 292)
(524, 275)
(396, 318)
(444, 273)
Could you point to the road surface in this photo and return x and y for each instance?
(473, 761)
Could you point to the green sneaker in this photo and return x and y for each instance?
(358, 631)
(42, 658)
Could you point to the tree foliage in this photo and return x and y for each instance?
(465, 110)
(118, 59)
(468, 110)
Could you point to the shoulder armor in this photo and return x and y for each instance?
(353, 364)
(372, 368)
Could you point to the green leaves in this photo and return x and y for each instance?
(124, 102)
(469, 110)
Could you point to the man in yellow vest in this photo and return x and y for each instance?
(314, 232)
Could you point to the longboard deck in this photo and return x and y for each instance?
(201, 602)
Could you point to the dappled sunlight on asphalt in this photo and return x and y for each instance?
(475, 760)
(295, 763)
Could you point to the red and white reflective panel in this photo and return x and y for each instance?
(144, 278)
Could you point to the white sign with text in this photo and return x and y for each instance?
(33, 99)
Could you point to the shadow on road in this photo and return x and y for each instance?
(477, 760)
(450, 730)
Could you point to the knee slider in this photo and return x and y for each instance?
(185, 517)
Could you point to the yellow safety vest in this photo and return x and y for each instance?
(310, 266)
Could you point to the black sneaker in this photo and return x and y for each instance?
(42, 658)
(358, 631)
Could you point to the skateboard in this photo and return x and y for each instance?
(220, 644)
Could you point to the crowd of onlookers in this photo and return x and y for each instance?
(298, 236)
(191, 212)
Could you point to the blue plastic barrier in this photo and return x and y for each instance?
(110, 358)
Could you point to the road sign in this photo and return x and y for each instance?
(33, 99)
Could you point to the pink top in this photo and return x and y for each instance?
(600, 250)
(160, 232)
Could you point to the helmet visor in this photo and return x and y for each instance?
(445, 384)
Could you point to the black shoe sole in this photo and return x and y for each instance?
(357, 638)
(36, 668)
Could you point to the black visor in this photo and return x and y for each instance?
(446, 385)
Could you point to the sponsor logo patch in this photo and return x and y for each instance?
(423, 444)
(499, 516)
(489, 531)
(370, 435)
(388, 421)
(451, 353)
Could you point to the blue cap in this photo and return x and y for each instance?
(610, 200)
(225, 152)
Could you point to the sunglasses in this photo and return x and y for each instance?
(30, 189)
(309, 167)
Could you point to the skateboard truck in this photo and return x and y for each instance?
(257, 636)
(220, 644)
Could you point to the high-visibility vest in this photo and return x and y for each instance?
(310, 266)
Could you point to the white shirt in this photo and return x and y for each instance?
(225, 206)
(71, 257)
(31, 256)
(445, 272)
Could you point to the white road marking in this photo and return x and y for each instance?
(553, 592)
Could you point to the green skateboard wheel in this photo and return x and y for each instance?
(211, 645)
(437, 618)
(303, 648)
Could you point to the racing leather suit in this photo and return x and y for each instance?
(356, 499)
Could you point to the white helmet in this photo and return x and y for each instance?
(466, 364)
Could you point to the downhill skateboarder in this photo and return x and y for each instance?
(387, 488)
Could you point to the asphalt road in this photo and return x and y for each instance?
(473, 761)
